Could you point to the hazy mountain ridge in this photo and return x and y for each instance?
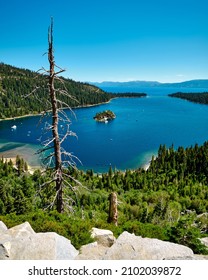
(199, 83)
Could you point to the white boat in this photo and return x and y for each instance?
(105, 120)
(14, 127)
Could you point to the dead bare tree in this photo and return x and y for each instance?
(55, 118)
(56, 157)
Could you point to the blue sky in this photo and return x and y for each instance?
(109, 40)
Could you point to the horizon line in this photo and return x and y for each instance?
(148, 81)
(110, 81)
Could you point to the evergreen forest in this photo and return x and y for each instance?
(17, 86)
(105, 115)
(201, 97)
(168, 201)
(24, 92)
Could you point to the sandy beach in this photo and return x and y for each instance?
(31, 169)
(24, 151)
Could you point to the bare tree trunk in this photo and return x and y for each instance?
(113, 212)
(55, 118)
(59, 158)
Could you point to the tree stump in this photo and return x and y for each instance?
(113, 212)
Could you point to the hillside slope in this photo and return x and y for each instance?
(16, 84)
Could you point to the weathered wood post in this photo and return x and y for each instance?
(113, 212)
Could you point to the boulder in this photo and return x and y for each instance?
(103, 237)
(96, 250)
(22, 230)
(22, 243)
(131, 247)
(43, 246)
(204, 241)
(92, 251)
(3, 227)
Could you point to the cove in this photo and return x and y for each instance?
(127, 142)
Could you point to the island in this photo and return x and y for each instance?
(104, 116)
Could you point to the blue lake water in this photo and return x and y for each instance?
(129, 141)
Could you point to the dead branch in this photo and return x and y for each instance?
(59, 159)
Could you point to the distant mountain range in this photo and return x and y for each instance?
(202, 83)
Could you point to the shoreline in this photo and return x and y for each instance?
(11, 155)
(20, 117)
(24, 151)
(31, 169)
(77, 107)
(39, 114)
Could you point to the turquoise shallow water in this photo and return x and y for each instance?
(129, 141)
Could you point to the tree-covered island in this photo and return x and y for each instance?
(105, 116)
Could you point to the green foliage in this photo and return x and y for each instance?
(16, 189)
(169, 201)
(17, 83)
(75, 229)
(146, 230)
(186, 233)
(105, 115)
(201, 97)
(131, 94)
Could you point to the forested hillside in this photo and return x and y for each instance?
(16, 84)
(169, 201)
(201, 97)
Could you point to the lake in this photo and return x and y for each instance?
(127, 142)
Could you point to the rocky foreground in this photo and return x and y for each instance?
(23, 243)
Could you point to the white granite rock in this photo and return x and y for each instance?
(3, 227)
(103, 236)
(131, 247)
(92, 251)
(22, 243)
(204, 241)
